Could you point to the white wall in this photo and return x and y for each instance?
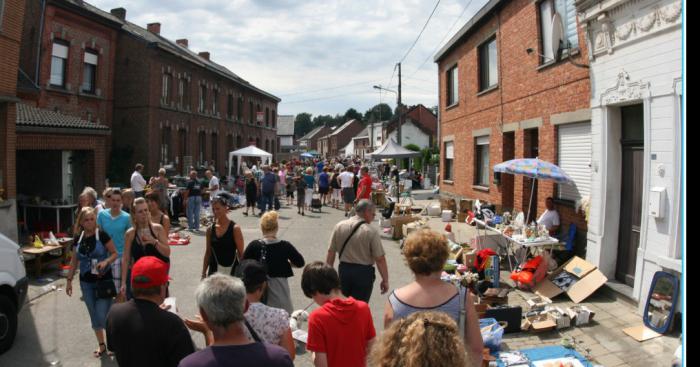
(286, 141)
(411, 134)
(651, 59)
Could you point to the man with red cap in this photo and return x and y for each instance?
(140, 332)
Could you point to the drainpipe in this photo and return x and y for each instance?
(38, 45)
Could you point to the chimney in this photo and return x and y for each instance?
(153, 28)
(182, 42)
(204, 55)
(119, 13)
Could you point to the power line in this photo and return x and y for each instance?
(444, 37)
(326, 89)
(421, 32)
(324, 98)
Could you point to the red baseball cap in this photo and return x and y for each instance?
(148, 272)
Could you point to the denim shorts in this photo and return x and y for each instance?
(97, 307)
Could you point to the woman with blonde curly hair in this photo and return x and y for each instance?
(278, 257)
(421, 339)
(425, 253)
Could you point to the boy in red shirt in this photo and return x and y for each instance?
(364, 189)
(340, 332)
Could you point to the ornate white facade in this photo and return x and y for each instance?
(636, 59)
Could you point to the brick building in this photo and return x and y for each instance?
(177, 108)
(508, 91)
(334, 143)
(419, 127)
(65, 83)
(310, 140)
(11, 15)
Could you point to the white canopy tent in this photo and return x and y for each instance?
(250, 151)
(391, 149)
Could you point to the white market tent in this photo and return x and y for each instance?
(392, 150)
(250, 151)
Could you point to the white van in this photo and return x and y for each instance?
(13, 290)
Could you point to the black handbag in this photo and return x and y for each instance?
(105, 288)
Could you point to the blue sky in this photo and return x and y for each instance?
(321, 57)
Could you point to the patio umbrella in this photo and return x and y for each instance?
(306, 155)
(536, 169)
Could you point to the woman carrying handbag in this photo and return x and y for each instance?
(93, 256)
(224, 243)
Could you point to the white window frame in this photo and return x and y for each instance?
(449, 156)
(90, 61)
(482, 171)
(59, 51)
(485, 69)
(452, 84)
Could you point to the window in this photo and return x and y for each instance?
(202, 146)
(567, 12)
(239, 142)
(2, 8)
(165, 146)
(267, 117)
(202, 98)
(258, 117)
(184, 93)
(488, 65)
(274, 119)
(239, 109)
(252, 112)
(229, 111)
(89, 72)
(167, 88)
(214, 147)
(214, 102)
(59, 64)
(482, 161)
(449, 160)
(575, 150)
(452, 86)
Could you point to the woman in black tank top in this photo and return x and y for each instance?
(224, 244)
(143, 239)
(157, 216)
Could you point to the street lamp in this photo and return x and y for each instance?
(398, 104)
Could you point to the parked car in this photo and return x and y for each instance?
(13, 290)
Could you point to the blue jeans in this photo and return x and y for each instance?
(268, 201)
(97, 307)
(194, 206)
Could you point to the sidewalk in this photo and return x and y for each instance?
(602, 341)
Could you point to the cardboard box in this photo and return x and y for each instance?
(589, 279)
(398, 221)
(560, 317)
(538, 324)
(538, 303)
(580, 315)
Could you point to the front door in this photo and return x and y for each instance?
(631, 192)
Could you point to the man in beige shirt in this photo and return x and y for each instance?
(359, 247)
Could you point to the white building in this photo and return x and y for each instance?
(411, 133)
(285, 133)
(636, 66)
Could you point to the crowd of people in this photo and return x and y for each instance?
(122, 259)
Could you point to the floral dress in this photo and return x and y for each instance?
(268, 322)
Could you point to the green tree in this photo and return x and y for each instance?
(302, 124)
(351, 114)
(322, 120)
(380, 112)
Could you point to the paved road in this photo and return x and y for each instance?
(55, 327)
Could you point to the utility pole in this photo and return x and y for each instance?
(398, 129)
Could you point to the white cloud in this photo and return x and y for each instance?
(286, 47)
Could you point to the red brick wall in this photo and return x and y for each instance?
(138, 107)
(340, 140)
(10, 40)
(82, 33)
(525, 92)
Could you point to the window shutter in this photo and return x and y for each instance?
(575, 154)
(60, 50)
(483, 140)
(90, 58)
(449, 151)
(546, 19)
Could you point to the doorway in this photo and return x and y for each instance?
(631, 190)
